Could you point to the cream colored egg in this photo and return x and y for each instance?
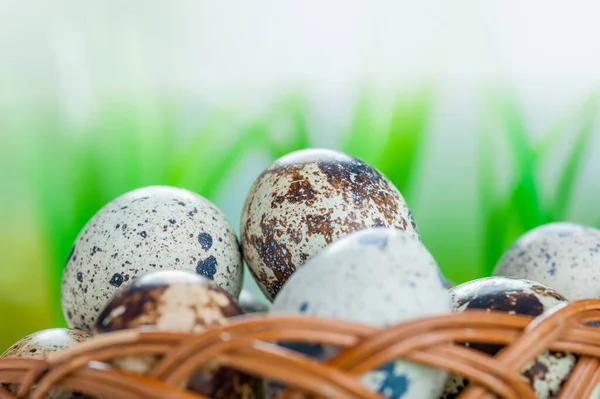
(563, 256)
(42, 343)
(147, 230)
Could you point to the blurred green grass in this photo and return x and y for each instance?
(72, 170)
(507, 215)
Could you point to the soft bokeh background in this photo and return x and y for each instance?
(482, 113)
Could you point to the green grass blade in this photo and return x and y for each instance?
(526, 193)
(486, 174)
(572, 167)
(407, 135)
(551, 138)
(491, 215)
(50, 173)
(368, 125)
(157, 136)
(218, 147)
(229, 159)
(196, 154)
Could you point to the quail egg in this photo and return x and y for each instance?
(307, 200)
(562, 255)
(377, 277)
(181, 302)
(42, 343)
(250, 303)
(148, 229)
(550, 369)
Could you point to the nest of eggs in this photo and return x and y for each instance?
(355, 306)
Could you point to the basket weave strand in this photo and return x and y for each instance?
(249, 344)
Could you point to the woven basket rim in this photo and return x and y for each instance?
(249, 344)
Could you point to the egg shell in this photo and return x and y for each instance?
(170, 301)
(548, 371)
(250, 303)
(377, 277)
(307, 200)
(42, 343)
(148, 229)
(564, 256)
(181, 302)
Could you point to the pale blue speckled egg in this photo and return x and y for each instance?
(563, 256)
(378, 277)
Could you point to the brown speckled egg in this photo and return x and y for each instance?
(305, 201)
(146, 230)
(182, 302)
(42, 343)
(549, 370)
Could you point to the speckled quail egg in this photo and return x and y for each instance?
(42, 343)
(182, 302)
(377, 277)
(142, 231)
(305, 201)
(564, 256)
(549, 370)
(251, 303)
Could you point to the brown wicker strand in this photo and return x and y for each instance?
(574, 387)
(279, 325)
(119, 339)
(30, 377)
(321, 381)
(509, 384)
(451, 358)
(226, 343)
(594, 380)
(67, 367)
(99, 342)
(473, 319)
(273, 360)
(120, 384)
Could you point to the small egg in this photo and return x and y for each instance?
(42, 343)
(180, 302)
(549, 370)
(146, 230)
(377, 277)
(250, 303)
(563, 256)
(307, 200)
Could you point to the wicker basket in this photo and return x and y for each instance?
(247, 344)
